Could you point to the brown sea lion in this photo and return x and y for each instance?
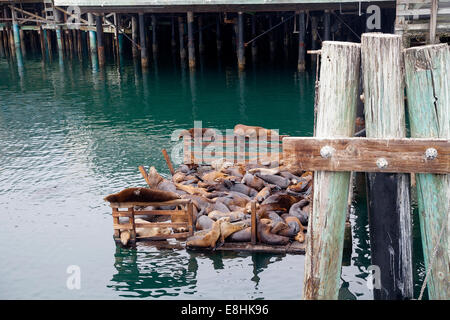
(242, 188)
(141, 195)
(244, 235)
(265, 236)
(191, 189)
(279, 202)
(274, 179)
(227, 229)
(253, 182)
(300, 237)
(266, 171)
(253, 131)
(294, 224)
(154, 178)
(263, 194)
(296, 210)
(178, 177)
(300, 186)
(205, 240)
(212, 176)
(150, 232)
(233, 216)
(125, 236)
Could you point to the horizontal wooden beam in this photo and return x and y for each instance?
(145, 204)
(367, 154)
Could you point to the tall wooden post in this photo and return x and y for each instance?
(134, 36)
(218, 35)
(254, 46)
(191, 43)
(326, 26)
(41, 41)
(336, 112)
(271, 40)
(433, 20)
(143, 44)
(92, 36)
(301, 41)
(154, 37)
(427, 71)
(2, 47)
(22, 41)
(59, 40)
(201, 45)
(100, 41)
(16, 31)
(181, 36)
(388, 193)
(173, 42)
(240, 49)
(314, 38)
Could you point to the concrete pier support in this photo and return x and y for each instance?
(191, 41)
(201, 44)
(326, 26)
(301, 41)
(134, 37)
(154, 37)
(143, 44)
(181, 38)
(100, 41)
(240, 49)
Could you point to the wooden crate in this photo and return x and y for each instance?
(184, 208)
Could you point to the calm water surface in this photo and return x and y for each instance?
(69, 135)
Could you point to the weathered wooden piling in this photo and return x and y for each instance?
(201, 44)
(134, 37)
(22, 41)
(48, 38)
(427, 71)
(2, 48)
(388, 193)
(92, 36)
(154, 36)
(173, 42)
(314, 38)
(181, 38)
(15, 28)
(254, 46)
(326, 25)
(271, 40)
(143, 44)
(240, 48)
(218, 35)
(336, 112)
(100, 41)
(301, 65)
(191, 43)
(41, 41)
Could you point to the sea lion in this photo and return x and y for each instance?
(233, 216)
(204, 222)
(277, 202)
(294, 224)
(125, 236)
(227, 229)
(240, 187)
(191, 190)
(205, 240)
(265, 171)
(265, 236)
(150, 232)
(212, 176)
(244, 235)
(154, 178)
(253, 182)
(141, 195)
(296, 210)
(178, 177)
(300, 237)
(300, 186)
(274, 179)
(263, 194)
(253, 131)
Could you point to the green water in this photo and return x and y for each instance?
(69, 135)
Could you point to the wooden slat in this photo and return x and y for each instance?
(160, 212)
(161, 224)
(361, 154)
(167, 236)
(145, 204)
(126, 226)
(253, 226)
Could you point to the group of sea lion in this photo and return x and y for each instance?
(222, 193)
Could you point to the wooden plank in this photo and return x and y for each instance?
(159, 212)
(427, 71)
(388, 193)
(145, 204)
(336, 113)
(181, 235)
(144, 174)
(362, 154)
(169, 163)
(433, 20)
(190, 217)
(161, 224)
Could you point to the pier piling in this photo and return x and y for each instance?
(241, 49)
(201, 44)
(326, 26)
(181, 38)
(254, 46)
(191, 43)
(301, 42)
(388, 193)
(143, 44)
(100, 41)
(427, 71)
(154, 37)
(218, 35)
(134, 36)
(314, 38)
(336, 113)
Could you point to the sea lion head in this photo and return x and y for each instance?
(154, 178)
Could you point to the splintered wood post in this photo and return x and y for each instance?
(388, 193)
(427, 72)
(169, 163)
(253, 225)
(336, 113)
